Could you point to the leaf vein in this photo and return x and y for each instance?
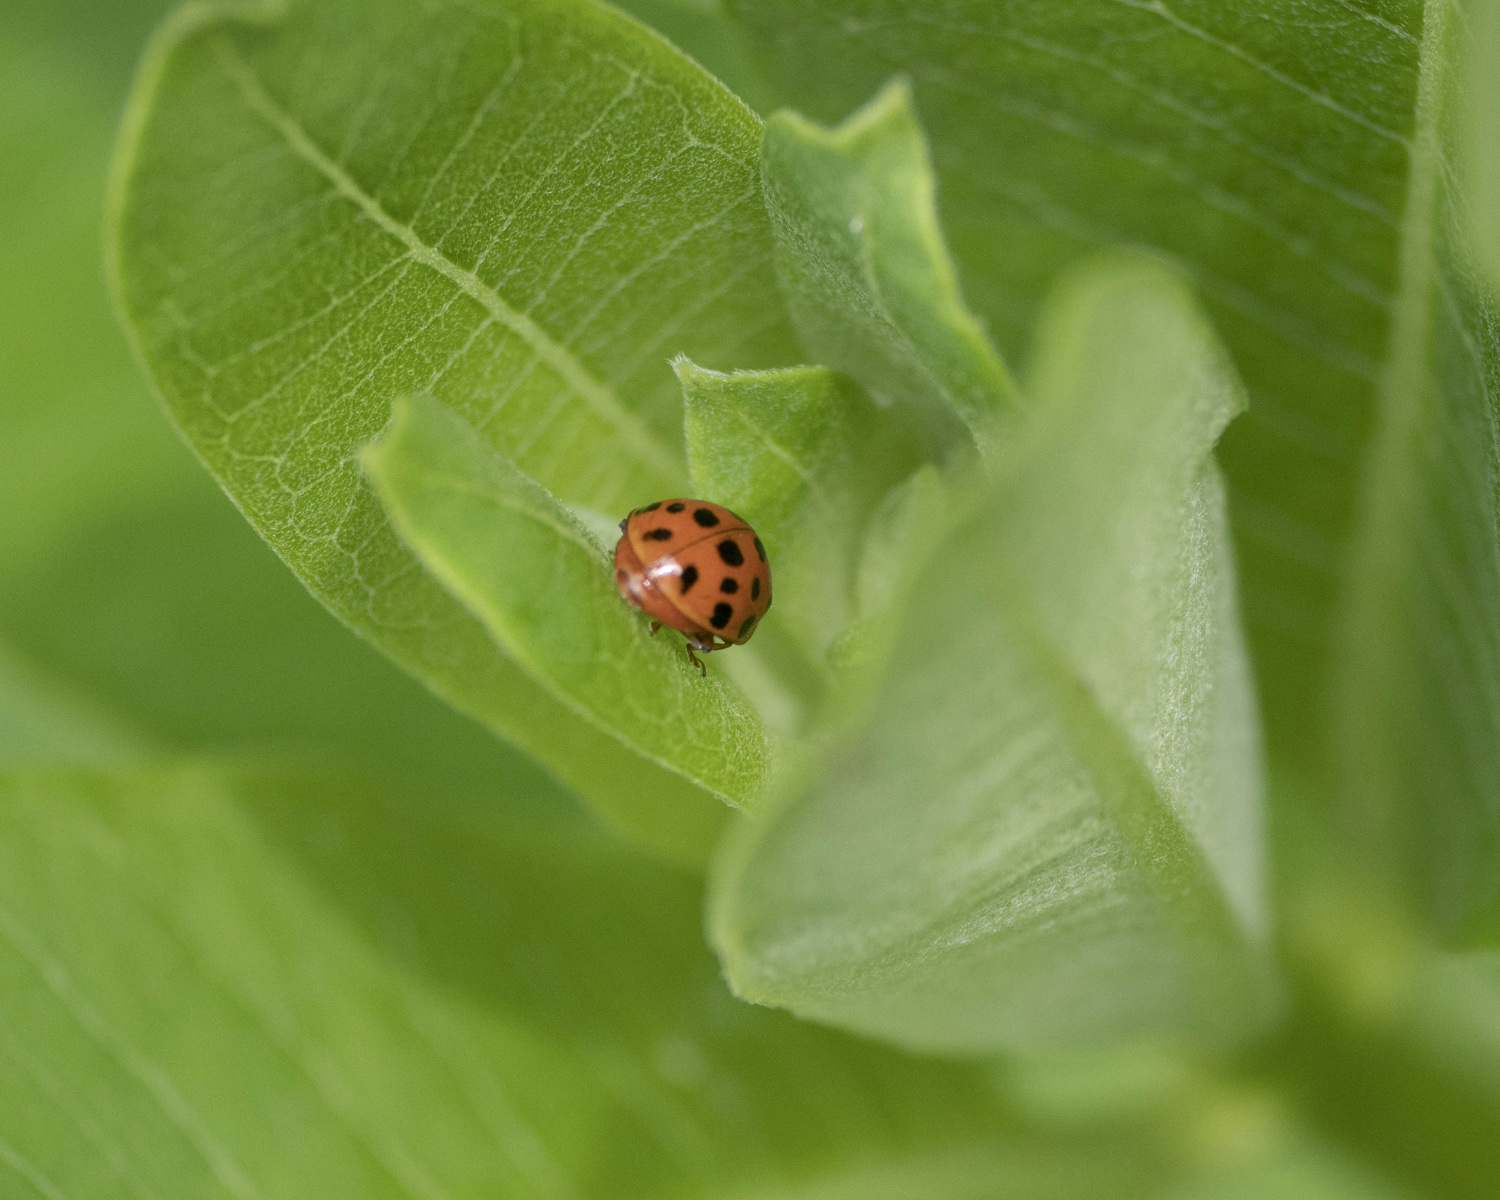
(592, 391)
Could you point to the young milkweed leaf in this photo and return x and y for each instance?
(524, 209)
(1264, 149)
(255, 983)
(544, 589)
(802, 455)
(1416, 693)
(864, 267)
(1045, 831)
(1300, 168)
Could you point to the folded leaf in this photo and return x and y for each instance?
(263, 983)
(1046, 832)
(1263, 147)
(803, 456)
(524, 208)
(544, 589)
(862, 262)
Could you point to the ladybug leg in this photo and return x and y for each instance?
(696, 661)
(655, 625)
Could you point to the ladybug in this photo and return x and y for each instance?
(696, 568)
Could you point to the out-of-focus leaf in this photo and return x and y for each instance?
(524, 209)
(1299, 168)
(977, 1173)
(861, 258)
(41, 721)
(1263, 146)
(259, 983)
(1482, 158)
(803, 456)
(1301, 1169)
(1417, 691)
(1455, 1016)
(544, 589)
(1047, 833)
(130, 590)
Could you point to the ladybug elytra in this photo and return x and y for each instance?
(697, 568)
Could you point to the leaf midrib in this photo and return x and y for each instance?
(597, 395)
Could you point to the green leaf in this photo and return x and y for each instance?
(861, 258)
(1455, 1017)
(44, 721)
(141, 608)
(1265, 151)
(803, 456)
(972, 1174)
(524, 209)
(544, 589)
(262, 983)
(1046, 833)
(1482, 136)
(1298, 168)
(1300, 1169)
(1417, 689)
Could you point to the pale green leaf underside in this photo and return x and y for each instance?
(261, 984)
(1119, 527)
(802, 455)
(1263, 147)
(861, 258)
(1304, 170)
(522, 208)
(544, 589)
(1023, 848)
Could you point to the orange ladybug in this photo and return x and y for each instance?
(696, 568)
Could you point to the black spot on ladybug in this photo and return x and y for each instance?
(678, 507)
(689, 577)
(706, 517)
(729, 586)
(624, 523)
(722, 613)
(650, 507)
(658, 535)
(729, 551)
(761, 550)
(745, 627)
(755, 588)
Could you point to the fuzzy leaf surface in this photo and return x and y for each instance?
(1302, 167)
(1046, 833)
(861, 258)
(544, 589)
(524, 209)
(803, 456)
